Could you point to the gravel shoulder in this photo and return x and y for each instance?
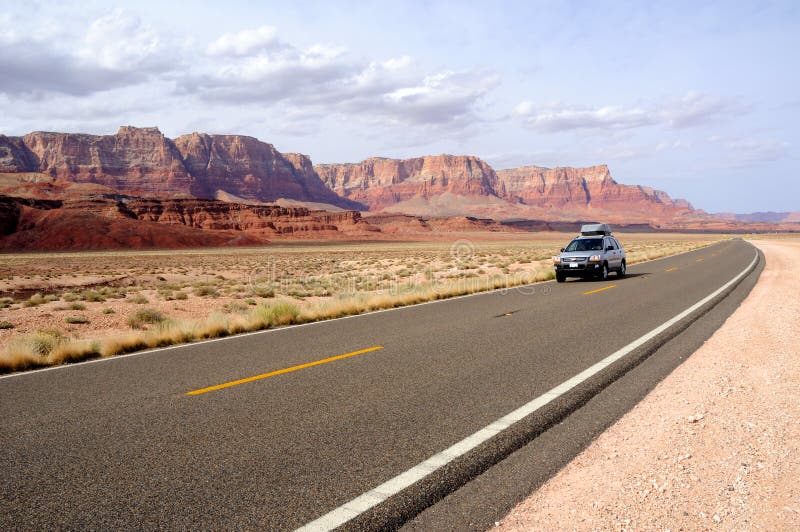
(715, 445)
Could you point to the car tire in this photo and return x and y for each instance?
(560, 277)
(604, 272)
(623, 270)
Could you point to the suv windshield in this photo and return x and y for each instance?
(585, 244)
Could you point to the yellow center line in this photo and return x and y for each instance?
(599, 290)
(672, 269)
(282, 371)
(699, 260)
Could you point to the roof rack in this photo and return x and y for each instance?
(595, 229)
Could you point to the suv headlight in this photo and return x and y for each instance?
(556, 260)
(594, 258)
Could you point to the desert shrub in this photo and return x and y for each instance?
(203, 291)
(76, 319)
(34, 301)
(278, 313)
(180, 295)
(215, 325)
(139, 299)
(109, 311)
(70, 296)
(77, 306)
(6, 325)
(41, 343)
(263, 291)
(145, 316)
(93, 296)
(6, 302)
(236, 306)
(250, 301)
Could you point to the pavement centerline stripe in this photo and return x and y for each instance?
(672, 269)
(599, 290)
(283, 371)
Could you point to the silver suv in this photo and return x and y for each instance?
(595, 254)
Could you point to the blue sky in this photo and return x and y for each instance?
(701, 99)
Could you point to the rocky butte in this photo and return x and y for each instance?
(449, 185)
(143, 162)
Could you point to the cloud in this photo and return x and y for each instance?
(116, 51)
(81, 70)
(324, 79)
(693, 109)
(560, 117)
(244, 42)
(749, 151)
(697, 109)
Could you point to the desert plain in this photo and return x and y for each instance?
(67, 306)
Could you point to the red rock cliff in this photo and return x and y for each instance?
(250, 169)
(380, 183)
(139, 160)
(578, 188)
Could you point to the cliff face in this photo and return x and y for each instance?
(452, 185)
(380, 183)
(14, 156)
(578, 188)
(102, 223)
(142, 161)
(250, 169)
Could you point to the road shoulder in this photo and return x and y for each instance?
(715, 443)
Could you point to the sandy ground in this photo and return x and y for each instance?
(714, 446)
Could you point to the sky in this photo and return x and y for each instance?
(700, 99)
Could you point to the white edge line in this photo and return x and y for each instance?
(285, 327)
(361, 504)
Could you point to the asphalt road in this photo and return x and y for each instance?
(121, 443)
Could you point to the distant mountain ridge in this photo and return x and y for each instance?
(142, 162)
(448, 185)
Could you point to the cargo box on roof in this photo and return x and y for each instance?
(595, 229)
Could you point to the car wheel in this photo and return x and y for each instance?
(604, 272)
(560, 277)
(623, 270)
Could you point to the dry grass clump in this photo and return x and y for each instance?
(6, 325)
(76, 320)
(139, 299)
(205, 291)
(45, 348)
(39, 299)
(145, 316)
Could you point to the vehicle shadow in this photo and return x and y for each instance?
(611, 277)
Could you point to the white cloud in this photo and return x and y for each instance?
(120, 41)
(244, 42)
(696, 108)
(561, 117)
(751, 151)
(690, 110)
(325, 79)
(117, 50)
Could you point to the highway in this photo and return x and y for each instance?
(354, 418)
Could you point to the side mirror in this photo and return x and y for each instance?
(609, 248)
(562, 250)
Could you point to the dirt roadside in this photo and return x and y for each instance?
(716, 445)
